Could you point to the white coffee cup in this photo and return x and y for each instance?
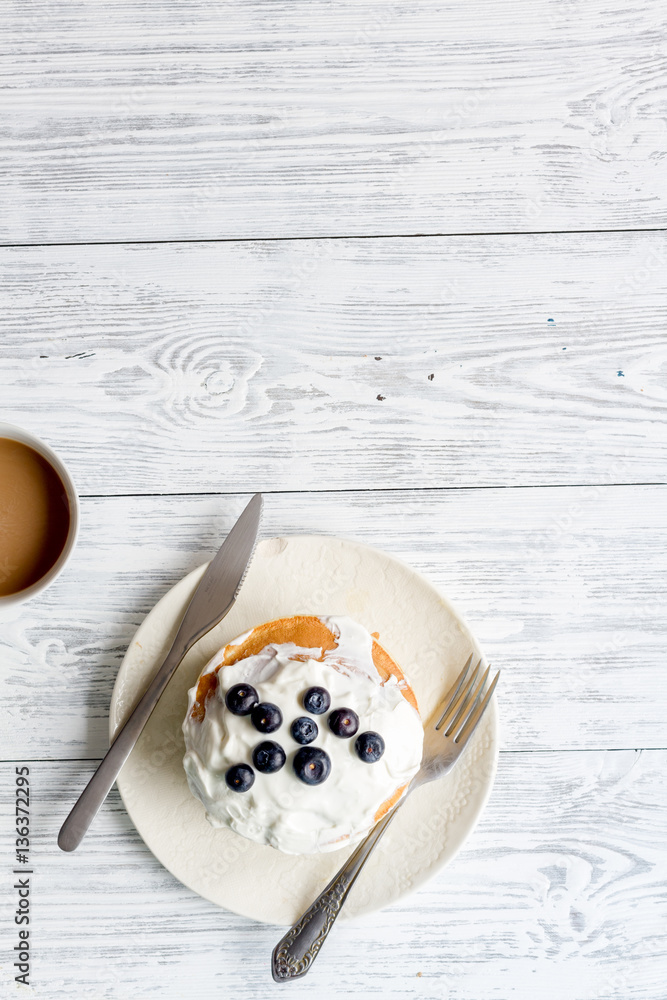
(13, 433)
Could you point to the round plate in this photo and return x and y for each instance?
(314, 575)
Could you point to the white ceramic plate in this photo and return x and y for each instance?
(317, 575)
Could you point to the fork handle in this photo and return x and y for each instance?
(296, 951)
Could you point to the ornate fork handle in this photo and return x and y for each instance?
(296, 951)
(444, 741)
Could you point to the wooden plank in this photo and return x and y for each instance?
(565, 589)
(559, 893)
(353, 118)
(345, 364)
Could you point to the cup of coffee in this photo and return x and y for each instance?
(39, 516)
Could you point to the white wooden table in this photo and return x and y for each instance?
(403, 268)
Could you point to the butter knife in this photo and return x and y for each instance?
(211, 601)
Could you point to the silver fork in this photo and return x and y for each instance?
(456, 720)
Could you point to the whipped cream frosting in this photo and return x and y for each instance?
(280, 809)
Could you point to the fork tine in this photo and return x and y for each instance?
(471, 722)
(470, 702)
(462, 699)
(475, 701)
(453, 692)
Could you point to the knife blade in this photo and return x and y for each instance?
(211, 601)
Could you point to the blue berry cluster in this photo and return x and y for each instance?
(311, 764)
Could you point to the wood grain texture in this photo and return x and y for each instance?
(371, 387)
(128, 121)
(342, 364)
(564, 588)
(558, 895)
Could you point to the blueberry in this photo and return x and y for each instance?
(266, 717)
(240, 777)
(241, 698)
(343, 722)
(304, 730)
(369, 747)
(316, 700)
(268, 757)
(312, 765)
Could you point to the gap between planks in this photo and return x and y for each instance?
(338, 236)
(372, 489)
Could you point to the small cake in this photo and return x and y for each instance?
(301, 734)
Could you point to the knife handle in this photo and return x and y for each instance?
(87, 805)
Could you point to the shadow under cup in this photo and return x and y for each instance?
(38, 515)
